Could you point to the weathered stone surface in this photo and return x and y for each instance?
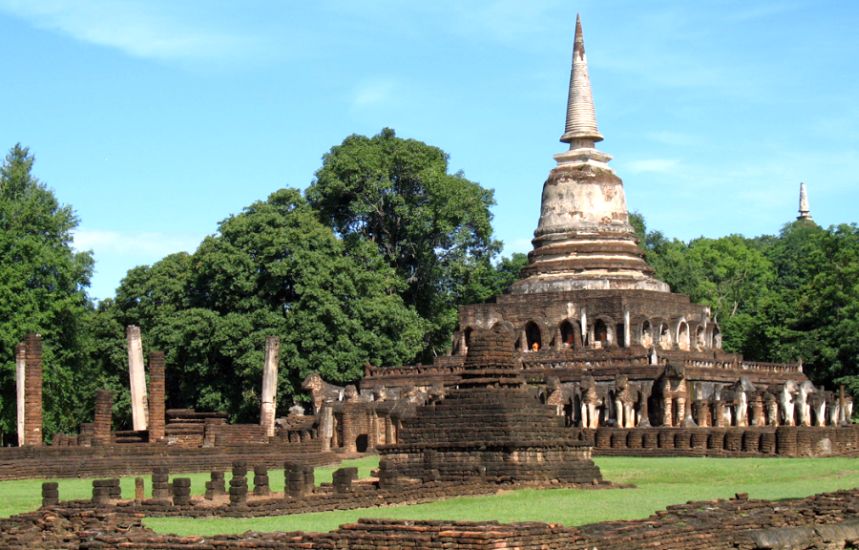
(820, 521)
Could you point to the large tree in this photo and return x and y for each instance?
(43, 285)
(778, 298)
(273, 269)
(815, 312)
(433, 227)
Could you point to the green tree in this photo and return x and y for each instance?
(730, 274)
(735, 279)
(815, 315)
(434, 228)
(274, 269)
(43, 285)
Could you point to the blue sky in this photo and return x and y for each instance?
(156, 119)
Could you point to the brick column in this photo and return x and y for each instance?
(389, 431)
(33, 391)
(349, 434)
(156, 396)
(719, 414)
(21, 391)
(103, 417)
(372, 431)
(702, 413)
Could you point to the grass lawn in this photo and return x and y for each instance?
(659, 481)
(25, 495)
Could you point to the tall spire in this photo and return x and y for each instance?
(584, 239)
(581, 129)
(804, 210)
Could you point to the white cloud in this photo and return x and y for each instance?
(142, 29)
(652, 166)
(143, 246)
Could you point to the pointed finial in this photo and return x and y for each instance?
(581, 129)
(804, 210)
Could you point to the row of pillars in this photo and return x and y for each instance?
(103, 420)
(147, 412)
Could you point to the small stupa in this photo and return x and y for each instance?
(804, 209)
(493, 428)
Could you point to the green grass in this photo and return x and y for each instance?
(660, 482)
(25, 495)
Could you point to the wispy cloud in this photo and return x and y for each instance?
(144, 247)
(151, 30)
(652, 166)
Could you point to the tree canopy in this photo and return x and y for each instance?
(432, 227)
(369, 266)
(43, 290)
(794, 296)
(273, 269)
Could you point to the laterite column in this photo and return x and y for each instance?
(103, 417)
(156, 396)
(33, 391)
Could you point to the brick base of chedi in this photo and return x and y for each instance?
(492, 428)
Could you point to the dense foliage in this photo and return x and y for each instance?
(273, 269)
(369, 267)
(42, 290)
(791, 297)
(432, 227)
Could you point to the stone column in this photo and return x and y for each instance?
(21, 390)
(701, 413)
(584, 327)
(348, 429)
(719, 414)
(156, 396)
(758, 418)
(268, 406)
(326, 427)
(627, 330)
(389, 431)
(136, 378)
(103, 417)
(33, 390)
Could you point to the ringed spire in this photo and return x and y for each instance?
(804, 209)
(581, 126)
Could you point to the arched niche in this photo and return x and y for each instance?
(684, 342)
(646, 335)
(570, 334)
(664, 336)
(533, 336)
(700, 338)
